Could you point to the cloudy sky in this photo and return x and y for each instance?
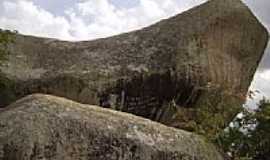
(90, 19)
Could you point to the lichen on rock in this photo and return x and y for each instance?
(179, 65)
(47, 127)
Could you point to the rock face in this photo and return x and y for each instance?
(48, 127)
(190, 71)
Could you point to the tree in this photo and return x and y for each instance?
(249, 136)
(261, 135)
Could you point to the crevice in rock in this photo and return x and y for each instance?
(150, 96)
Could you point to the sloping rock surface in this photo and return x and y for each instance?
(190, 71)
(47, 127)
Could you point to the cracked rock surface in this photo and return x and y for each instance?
(190, 71)
(52, 128)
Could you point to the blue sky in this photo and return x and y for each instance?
(90, 19)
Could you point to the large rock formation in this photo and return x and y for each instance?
(46, 127)
(190, 71)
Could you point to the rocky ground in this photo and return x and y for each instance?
(191, 71)
(47, 127)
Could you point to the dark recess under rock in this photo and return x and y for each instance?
(190, 71)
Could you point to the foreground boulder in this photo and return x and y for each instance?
(48, 127)
(190, 71)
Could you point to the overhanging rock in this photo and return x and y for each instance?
(48, 127)
(190, 71)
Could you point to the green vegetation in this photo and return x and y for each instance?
(6, 37)
(249, 136)
(210, 114)
(214, 114)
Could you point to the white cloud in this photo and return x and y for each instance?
(88, 19)
(260, 83)
(265, 75)
(27, 18)
(101, 18)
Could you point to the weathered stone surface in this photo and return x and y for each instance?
(48, 127)
(189, 71)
